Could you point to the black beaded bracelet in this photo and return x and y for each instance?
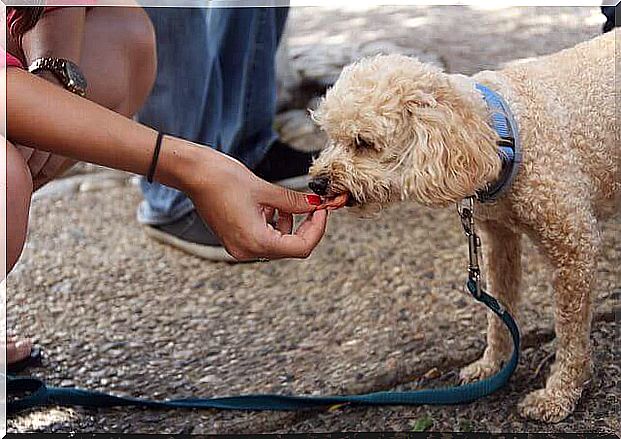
(156, 154)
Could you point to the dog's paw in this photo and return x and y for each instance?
(548, 406)
(479, 370)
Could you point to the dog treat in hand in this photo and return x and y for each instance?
(334, 203)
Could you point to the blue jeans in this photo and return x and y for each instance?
(216, 85)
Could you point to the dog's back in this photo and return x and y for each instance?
(570, 96)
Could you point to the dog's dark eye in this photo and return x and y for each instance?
(363, 143)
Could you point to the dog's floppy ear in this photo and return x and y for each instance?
(451, 152)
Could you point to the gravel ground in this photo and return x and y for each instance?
(379, 305)
(117, 312)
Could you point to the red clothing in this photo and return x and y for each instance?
(10, 15)
(12, 61)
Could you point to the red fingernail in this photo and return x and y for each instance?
(313, 199)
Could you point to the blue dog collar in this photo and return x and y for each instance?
(509, 146)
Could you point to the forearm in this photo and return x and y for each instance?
(60, 34)
(234, 201)
(48, 118)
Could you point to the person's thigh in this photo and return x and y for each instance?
(118, 61)
(18, 194)
(118, 57)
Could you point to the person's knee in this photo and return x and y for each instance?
(141, 47)
(19, 187)
(141, 36)
(119, 57)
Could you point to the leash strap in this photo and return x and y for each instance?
(41, 395)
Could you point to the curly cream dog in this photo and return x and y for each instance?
(400, 129)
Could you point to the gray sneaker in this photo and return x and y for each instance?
(190, 234)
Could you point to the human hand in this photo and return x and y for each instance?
(240, 208)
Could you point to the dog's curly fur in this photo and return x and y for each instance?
(400, 129)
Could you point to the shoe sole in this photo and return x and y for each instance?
(212, 253)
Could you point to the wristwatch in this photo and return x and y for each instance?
(66, 71)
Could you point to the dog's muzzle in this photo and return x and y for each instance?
(319, 185)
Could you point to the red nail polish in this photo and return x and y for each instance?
(313, 199)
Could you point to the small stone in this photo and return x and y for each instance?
(63, 287)
(183, 355)
(116, 353)
(432, 374)
(209, 379)
(99, 373)
(57, 189)
(97, 183)
(198, 284)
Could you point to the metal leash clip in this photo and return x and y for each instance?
(465, 208)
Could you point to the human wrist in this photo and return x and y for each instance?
(181, 164)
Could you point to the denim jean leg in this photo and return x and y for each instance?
(243, 80)
(178, 98)
(216, 85)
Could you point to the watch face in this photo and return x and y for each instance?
(76, 80)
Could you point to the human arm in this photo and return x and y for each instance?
(237, 204)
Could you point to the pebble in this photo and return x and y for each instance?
(95, 182)
(184, 355)
(209, 379)
(432, 374)
(57, 189)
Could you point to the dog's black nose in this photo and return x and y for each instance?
(319, 185)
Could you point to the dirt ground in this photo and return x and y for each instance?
(378, 306)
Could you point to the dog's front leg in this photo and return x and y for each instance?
(502, 261)
(571, 239)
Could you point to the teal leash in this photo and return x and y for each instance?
(42, 395)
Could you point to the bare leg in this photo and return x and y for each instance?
(119, 62)
(18, 193)
(503, 263)
(119, 59)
